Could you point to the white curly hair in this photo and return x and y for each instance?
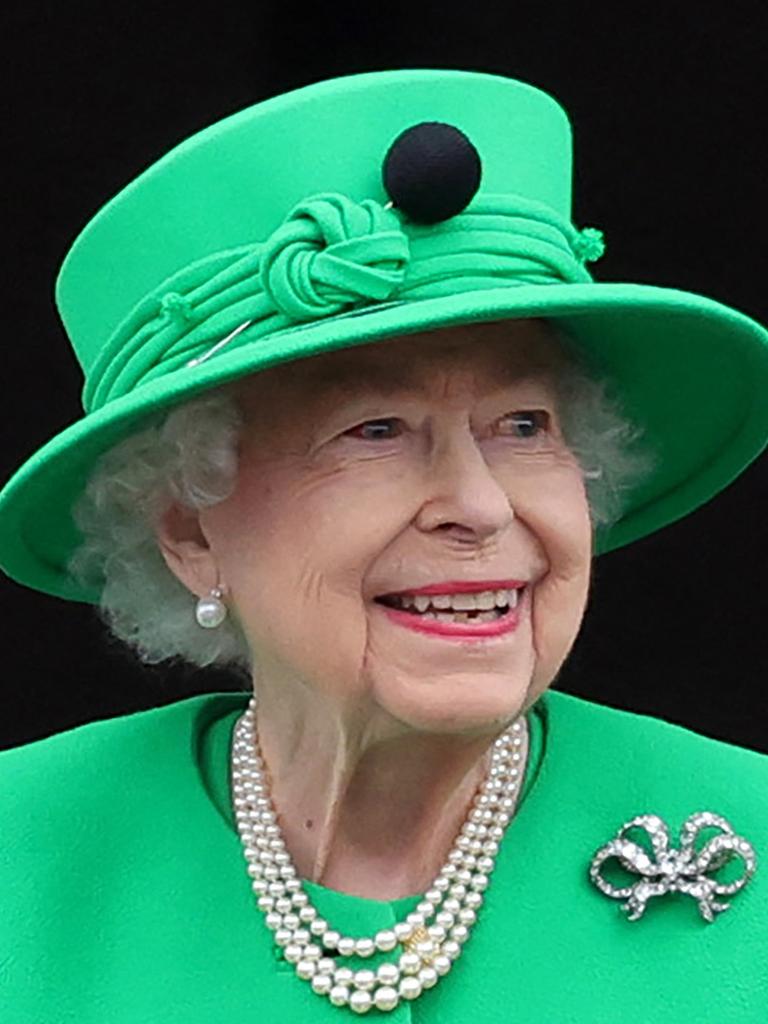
(189, 454)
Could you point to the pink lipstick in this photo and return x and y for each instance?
(507, 622)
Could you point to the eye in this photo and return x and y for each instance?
(532, 422)
(376, 426)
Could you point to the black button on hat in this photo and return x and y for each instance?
(431, 171)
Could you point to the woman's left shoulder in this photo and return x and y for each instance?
(657, 762)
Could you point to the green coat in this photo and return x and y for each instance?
(125, 897)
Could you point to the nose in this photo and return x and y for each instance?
(462, 492)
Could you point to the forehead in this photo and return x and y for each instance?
(491, 354)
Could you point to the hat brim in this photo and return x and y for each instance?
(691, 371)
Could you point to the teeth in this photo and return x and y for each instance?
(460, 616)
(484, 601)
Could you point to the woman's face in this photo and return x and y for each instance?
(390, 467)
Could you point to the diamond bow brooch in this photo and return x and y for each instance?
(674, 870)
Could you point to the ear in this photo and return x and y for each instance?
(185, 548)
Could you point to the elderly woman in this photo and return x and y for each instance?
(390, 545)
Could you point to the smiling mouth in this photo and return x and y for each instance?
(505, 603)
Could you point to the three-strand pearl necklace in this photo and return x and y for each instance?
(432, 936)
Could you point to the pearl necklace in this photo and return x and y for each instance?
(453, 899)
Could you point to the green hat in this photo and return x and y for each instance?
(350, 211)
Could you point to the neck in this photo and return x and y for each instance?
(368, 811)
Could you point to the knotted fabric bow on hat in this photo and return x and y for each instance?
(334, 254)
(331, 252)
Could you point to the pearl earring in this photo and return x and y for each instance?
(211, 611)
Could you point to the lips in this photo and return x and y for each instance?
(459, 587)
(506, 623)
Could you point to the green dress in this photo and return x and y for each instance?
(125, 897)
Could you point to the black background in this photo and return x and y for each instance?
(668, 107)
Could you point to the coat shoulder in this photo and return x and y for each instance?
(656, 760)
(87, 766)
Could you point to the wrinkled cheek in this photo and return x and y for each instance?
(556, 614)
(560, 597)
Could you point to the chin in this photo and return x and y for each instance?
(455, 706)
